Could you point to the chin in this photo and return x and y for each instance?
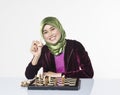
(53, 43)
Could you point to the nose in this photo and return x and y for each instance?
(50, 33)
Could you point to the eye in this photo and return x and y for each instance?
(45, 32)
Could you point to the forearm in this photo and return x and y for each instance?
(52, 74)
(79, 74)
(31, 71)
(35, 60)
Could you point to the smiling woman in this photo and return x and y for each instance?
(59, 56)
(51, 34)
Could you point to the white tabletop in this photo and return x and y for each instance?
(11, 86)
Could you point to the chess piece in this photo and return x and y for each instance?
(25, 83)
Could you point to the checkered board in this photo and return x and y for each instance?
(55, 84)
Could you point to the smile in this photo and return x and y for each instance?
(52, 38)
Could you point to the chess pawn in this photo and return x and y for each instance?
(49, 79)
(55, 81)
(40, 76)
(63, 79)
(46, 80)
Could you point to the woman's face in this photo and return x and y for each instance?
(51, 34)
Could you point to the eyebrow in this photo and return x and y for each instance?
(49, 28)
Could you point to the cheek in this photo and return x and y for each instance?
(56, 32)
(59, 34)
(45, 37)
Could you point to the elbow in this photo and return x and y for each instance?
(91, 74)
(28, 76)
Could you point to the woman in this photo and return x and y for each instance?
(59, 56)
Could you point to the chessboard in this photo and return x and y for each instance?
(54, 83)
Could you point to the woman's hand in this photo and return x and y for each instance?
(52, 74)
(36, 50)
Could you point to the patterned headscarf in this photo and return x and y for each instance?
(60, 45)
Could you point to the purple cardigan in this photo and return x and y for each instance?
(77, 62)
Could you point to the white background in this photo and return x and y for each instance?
(95, 23)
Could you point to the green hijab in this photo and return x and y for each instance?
(60, 45)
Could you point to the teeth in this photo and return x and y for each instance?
(52, 38)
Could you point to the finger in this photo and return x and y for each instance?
(34, 48)
(34, 43)
(39, 43)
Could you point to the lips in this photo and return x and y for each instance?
(52, 38)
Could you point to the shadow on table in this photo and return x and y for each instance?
(85, 89)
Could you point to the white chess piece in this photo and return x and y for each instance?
(40, 72)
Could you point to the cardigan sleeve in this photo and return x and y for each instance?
(31, 70)
(83, 61)
(85, 69)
